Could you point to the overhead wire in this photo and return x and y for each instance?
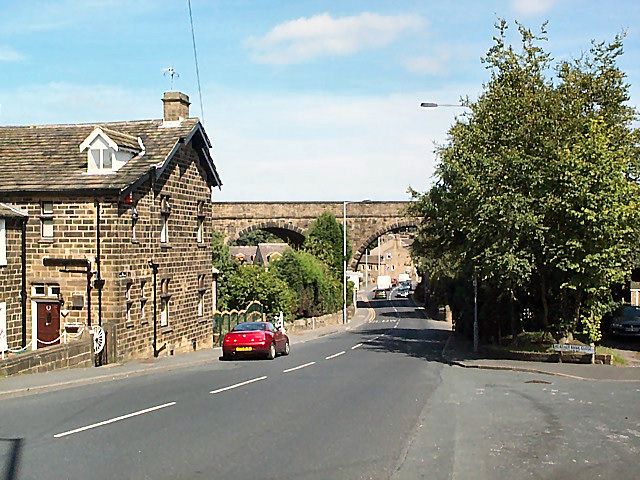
(195, 56)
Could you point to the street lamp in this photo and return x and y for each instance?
(434, 105)
(344, 257)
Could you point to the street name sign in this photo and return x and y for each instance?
(567, 347)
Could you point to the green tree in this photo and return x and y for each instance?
(249, 282)
(315, 291)
(534, 190)
(255, 237)
(324, 240)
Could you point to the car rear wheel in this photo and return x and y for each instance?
(287, 348)
(272, 352)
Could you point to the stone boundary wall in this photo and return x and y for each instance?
(317, 322)
(78, 353)
(500, 354)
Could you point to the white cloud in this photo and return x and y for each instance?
(532, 7)
(322, 35)
(8, 54)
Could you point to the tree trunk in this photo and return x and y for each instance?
(545, 304)
(512, 315)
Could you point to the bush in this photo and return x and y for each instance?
(247, 283)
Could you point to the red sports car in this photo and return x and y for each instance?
(255, 338)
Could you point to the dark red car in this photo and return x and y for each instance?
(255, 338)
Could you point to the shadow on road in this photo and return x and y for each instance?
(419, 343)
(12, 466)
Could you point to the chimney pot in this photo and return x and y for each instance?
(176, 106)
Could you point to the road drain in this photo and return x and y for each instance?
(538, 381)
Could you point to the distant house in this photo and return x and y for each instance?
(245, 254)
(260, 254)
(269, 251)
(117, 221)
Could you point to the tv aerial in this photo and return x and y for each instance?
(171, 73)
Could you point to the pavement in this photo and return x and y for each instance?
(460, 352)
(28, 384)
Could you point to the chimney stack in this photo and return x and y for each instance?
(176, 106)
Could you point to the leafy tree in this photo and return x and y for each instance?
(255, 237)
(535, 190)
(315, 292)
(325, 241)
(249, 282)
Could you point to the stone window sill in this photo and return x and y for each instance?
(166, 246)
(129, 324)
(203, 320)
(202, 245)
(166, 330)
(144, 322)
(46, 240)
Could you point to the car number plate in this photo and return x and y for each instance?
(243, 349)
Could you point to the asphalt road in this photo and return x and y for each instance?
(375, 402)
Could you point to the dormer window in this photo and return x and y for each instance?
(101, 159)
(108, 150)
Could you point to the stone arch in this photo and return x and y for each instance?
(287, 231)
(394, 227)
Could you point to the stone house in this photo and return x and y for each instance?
(12, 283)
(117, 230)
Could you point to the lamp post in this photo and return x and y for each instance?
(344, 257)
(435, 105)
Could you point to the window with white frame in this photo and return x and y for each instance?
(164, 302)
(200, 227)
(164, 228)
(3, 242)
(4, 346)
(101, 158)
(200, 304)
(164, 312)
(202, 288)
(46, 219)
(200, 230)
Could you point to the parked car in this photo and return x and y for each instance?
(380, 294)
(255, 338)
(626, 321)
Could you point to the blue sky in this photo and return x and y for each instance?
(304, 100)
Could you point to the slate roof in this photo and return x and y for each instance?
(265, 250)
(10, 211)
(248, 252)
(47, 158)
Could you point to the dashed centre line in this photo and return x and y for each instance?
(335, 355)
(356, 346)
(112, 420)
(224, 389)
(298, 367)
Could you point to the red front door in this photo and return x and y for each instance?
(48, 324)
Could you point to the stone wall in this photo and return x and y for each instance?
(76, 354)
(317, 322)
(11, 281)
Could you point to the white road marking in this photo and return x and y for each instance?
(224, 389)
(112, 420)
(335, 355)
(356, 346)
(298, 367)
